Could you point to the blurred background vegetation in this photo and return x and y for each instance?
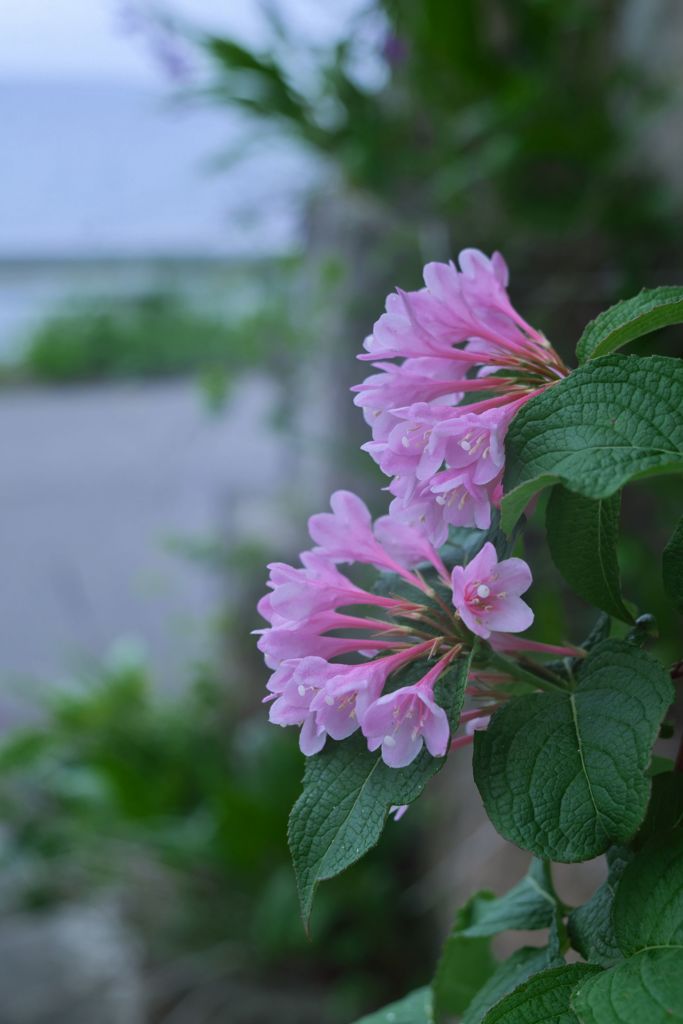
(434, 126)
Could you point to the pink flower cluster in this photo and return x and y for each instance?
(433, 349)
(325, 697)
(456, 337)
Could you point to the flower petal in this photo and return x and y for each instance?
(512, 616)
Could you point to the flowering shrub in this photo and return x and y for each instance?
(473, 413)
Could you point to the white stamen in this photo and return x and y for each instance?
(440, 500)
(404, 441)
(329, 700)
(465, 445)
(390, 741)
(301, 689)
(483, 590)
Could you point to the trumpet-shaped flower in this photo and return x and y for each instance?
(459, 331)
(486, 593)
(402, 721)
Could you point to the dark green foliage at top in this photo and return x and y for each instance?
(511, 103)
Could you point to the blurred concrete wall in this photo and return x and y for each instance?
(652, 34)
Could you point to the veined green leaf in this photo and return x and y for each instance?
(590, 926)
(544, 997)
(528, 905)
(647, 989)
(461, 983)
(651, 309)
(665, 810)
(507, 976)
(348, 790)
(344, 805)
(466, 962)
(415, 1008)
(613, 420)
(672, 567)
(564, 774)
(582, 537)
(648, 907)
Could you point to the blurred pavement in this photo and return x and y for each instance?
(95, 481)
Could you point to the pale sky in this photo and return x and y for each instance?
(83, 38)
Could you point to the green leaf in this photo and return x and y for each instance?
(672, 567)
(545, 997)
(599, 631)
(413, 1009)
(566, 667)
(507, 976)
(590, 926)
(651, 309)
(648, 906)
(528, 905)
(343, 808)
(582, 537)
(613, 420)
(564, 774)
(647, 989)
(665, 810)
(449, 691)
(466, 962)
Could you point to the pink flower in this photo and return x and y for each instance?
(402, 721)
(474, 442)
(504, 642)
(296, 640)
(319, 586)
(415, 380)
(347, 535)
(456, 305)
(486, 593)
(409, 450)
(421, 511)
(461, 321)
(407, 545)
(327, 699)
(463, 501)
(348, 690)
(295, 684)
(397, 811)
(479, 724)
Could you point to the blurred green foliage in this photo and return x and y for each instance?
(156, 335)
(499, 119)
(184, 808)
